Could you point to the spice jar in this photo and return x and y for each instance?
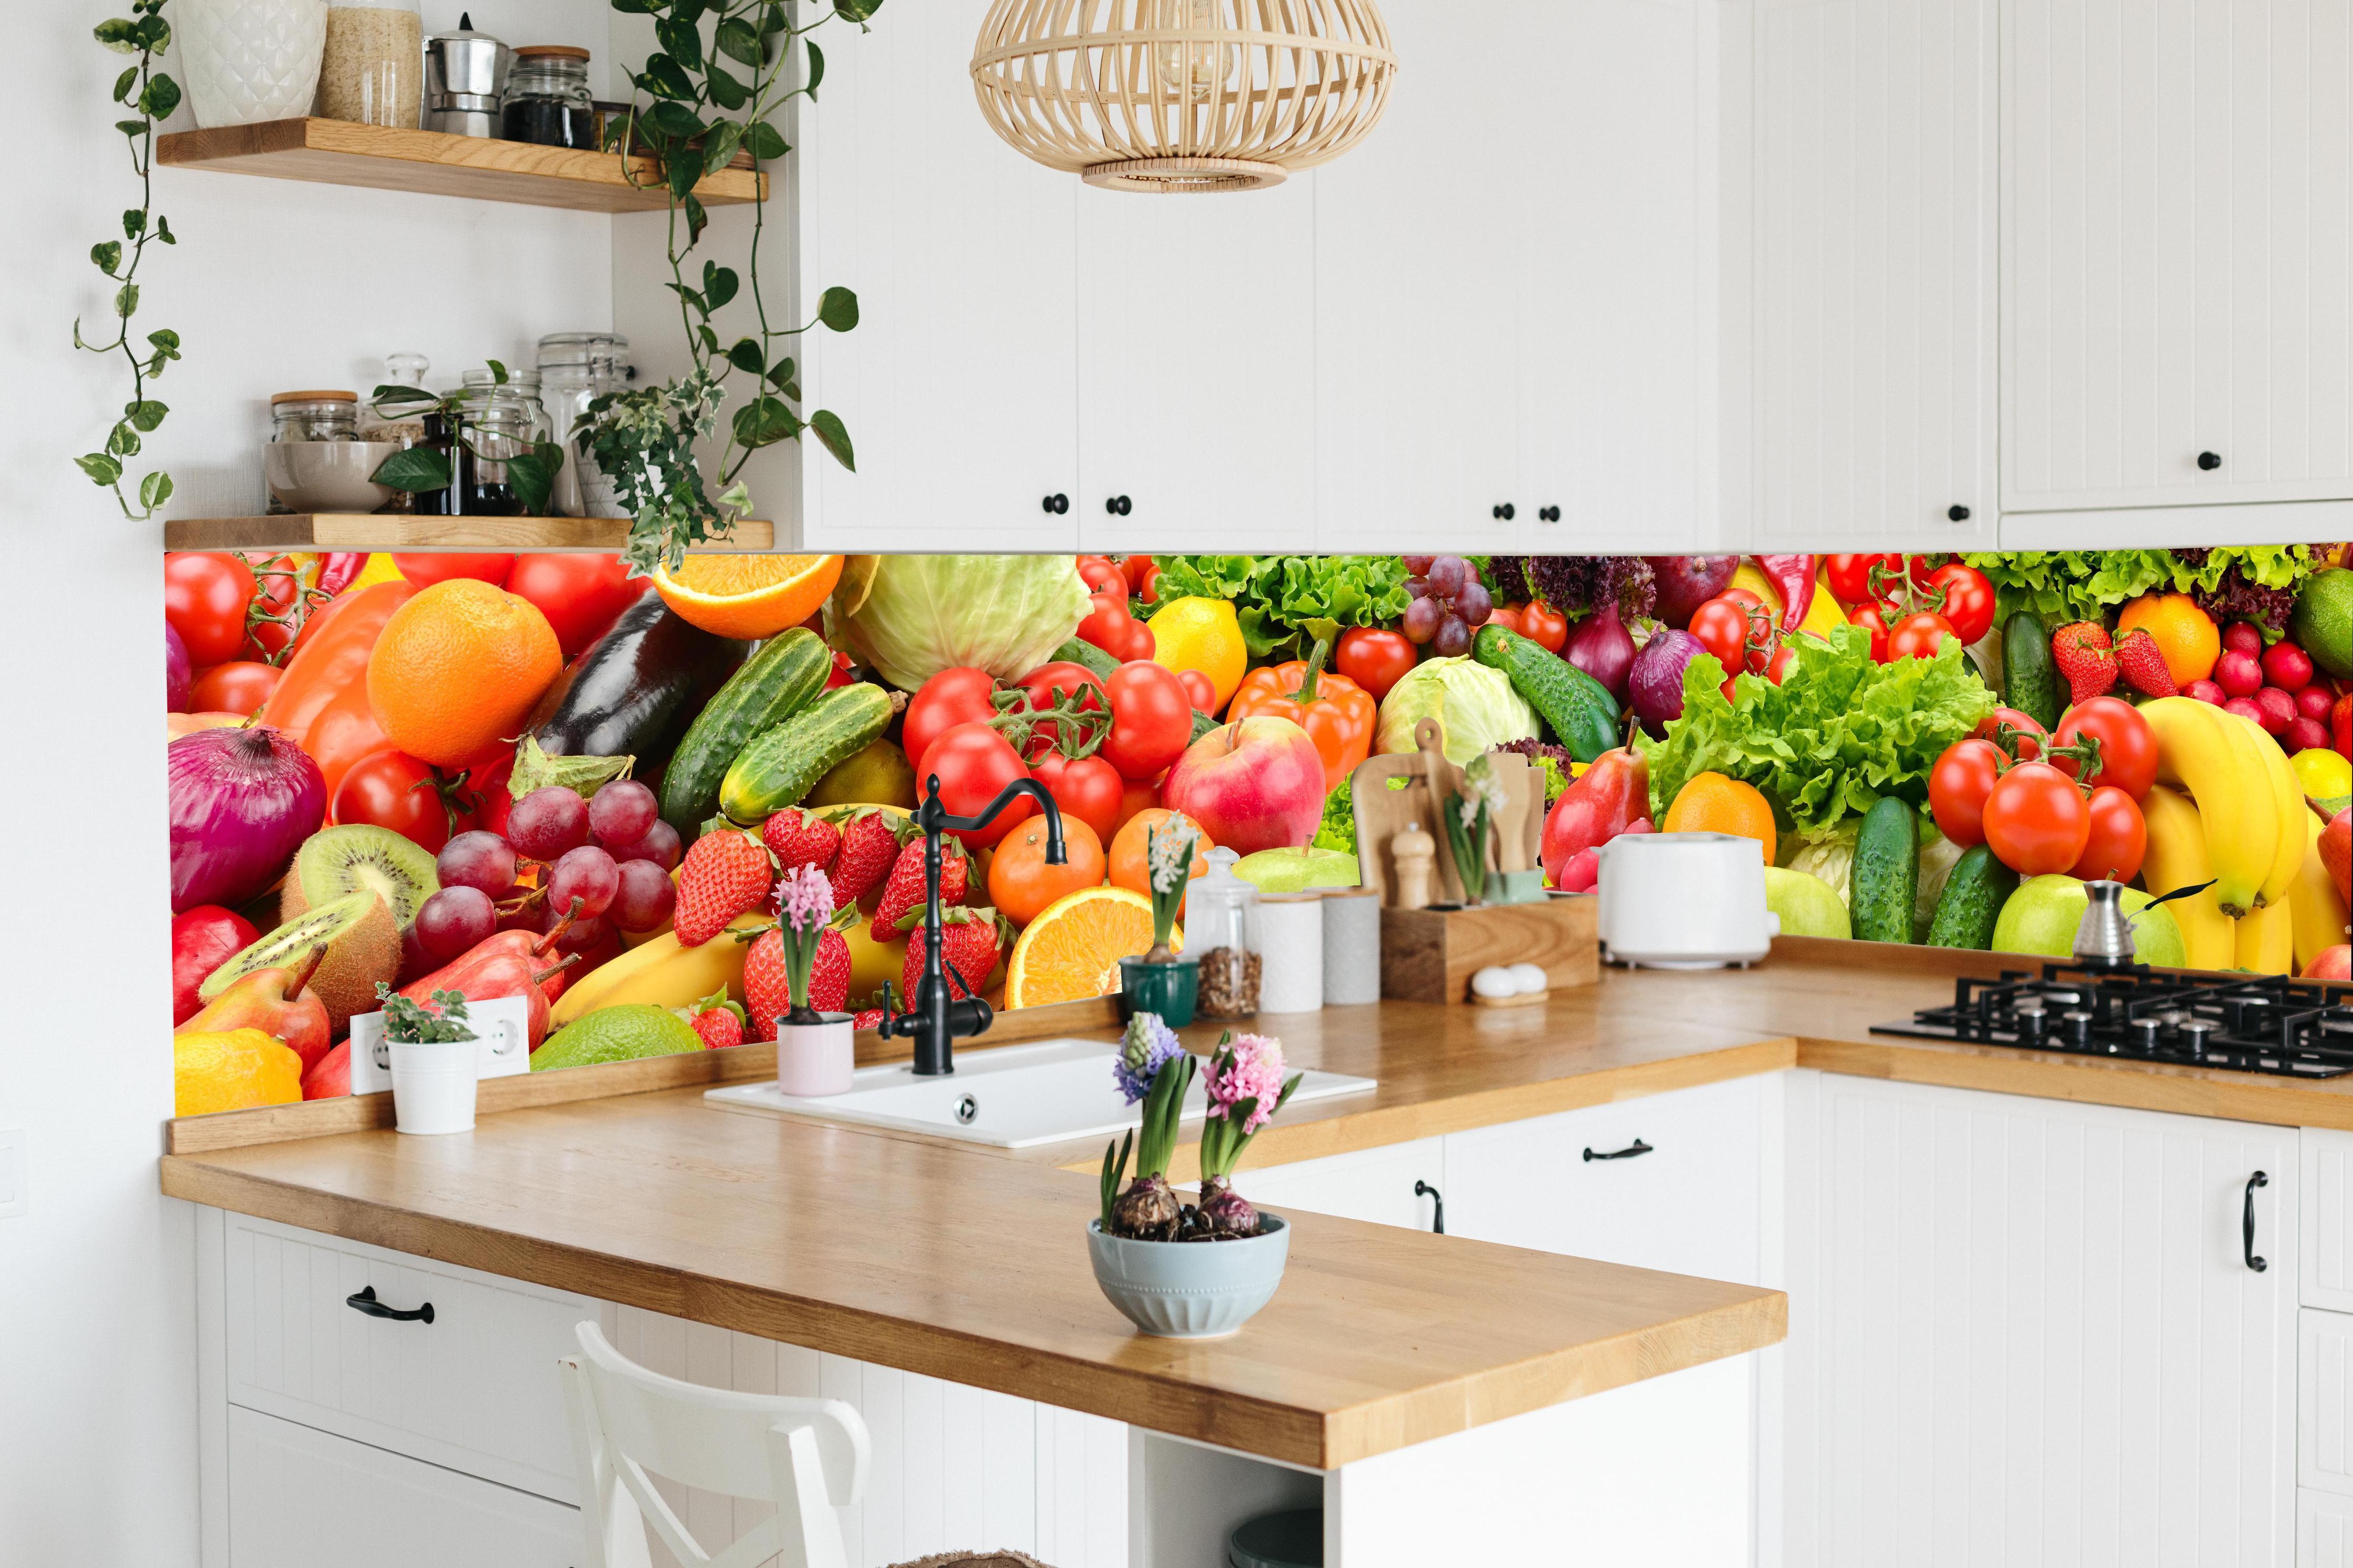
(314, 417)
(574, 370)
(1221, 928)
(374, 68)
(547, 98)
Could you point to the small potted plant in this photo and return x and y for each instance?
(1161, 981)
(435, 1061)
(815, 1054)
(1141, 1242)
(1469, 819)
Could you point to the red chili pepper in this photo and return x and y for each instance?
(1794, 576)
(338, 568)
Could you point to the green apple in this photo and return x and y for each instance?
(1295, 870)
(1807, 905)
(2041, 916)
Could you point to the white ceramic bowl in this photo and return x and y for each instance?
(1190, 1289)
(327, 476)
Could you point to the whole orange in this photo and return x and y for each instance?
(1129, 869)
(1711, 803)
(2185, 634)
(457, 669)
(1021, 883)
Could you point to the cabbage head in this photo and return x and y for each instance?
(1474, 705)
(907, 618)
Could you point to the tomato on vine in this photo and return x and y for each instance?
(1850, 576)
(1957, 786)
(393, 790)
(1151, 720)
(1968, 600)
(2036, 820)
(1722, 627)
(1087, 788)
(2118, 837)
(957, 695)
(1375, 660)
(973, 763)
(204, 597)
(1872, 619)
(2127, 746)
(2025, 736)
(1542, 626)
(1920, 635)
(1101, 575)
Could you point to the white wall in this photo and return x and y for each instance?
(273, 285)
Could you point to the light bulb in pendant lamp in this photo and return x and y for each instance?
(1173, 95)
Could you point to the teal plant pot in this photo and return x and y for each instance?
(1167, 989)
(1517, 887)
(1190, 1289)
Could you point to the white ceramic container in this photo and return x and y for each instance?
(1684, 901)
(815, 1060)
(433, 1086)
(245, 61)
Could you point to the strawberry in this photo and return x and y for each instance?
(970, 940)
(829, 975)
(727, 872)
(871, 1018)
(2143, 664)
(719, 1021)
(2087, 657)
(767, 982)
(870, 846)
(798, 838)
(903, 893)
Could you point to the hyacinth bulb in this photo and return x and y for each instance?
(1226, 1210)
(1147, 1211)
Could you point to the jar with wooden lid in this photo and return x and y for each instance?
(314, 417)
(374, 70)
(548, 102)
(1221, 929)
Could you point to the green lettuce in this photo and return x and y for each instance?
(908, 617)
(2060, 585)
(1838, 731)
(1276, 596)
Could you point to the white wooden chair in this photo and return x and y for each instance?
(807, 1456)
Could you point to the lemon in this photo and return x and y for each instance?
(1203, 634)
(232, 1069)
(2324, 773)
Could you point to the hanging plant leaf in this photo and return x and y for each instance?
(767, 143)
(161, 97)
(101, 469)
(765, 421)
(719, 284)
(745, 356)
(146, 413)
(739, 42)
(680, 39)
(719, 148)
(815, 67)
(663, 78)
(830, 430)
(154, 490)
(106, 257)
(858, 10)
(415, 469)
(837, 308)
(531, 476)
(724, 90)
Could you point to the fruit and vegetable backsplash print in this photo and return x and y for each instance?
(534, 777)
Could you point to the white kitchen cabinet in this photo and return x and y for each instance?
(2324, 1531)
(1871, 392)
(2326, 1278)
(2177, 275)
(2323, 1401)
(2026, 1330)
(1378, 1186)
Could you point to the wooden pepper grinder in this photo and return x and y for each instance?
(1416, 854)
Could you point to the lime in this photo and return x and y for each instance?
(1807, 905)
(616, 1035)
(1295, 870)
(2041, 916)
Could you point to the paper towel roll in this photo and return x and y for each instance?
(1352, 946)
(1291, 941)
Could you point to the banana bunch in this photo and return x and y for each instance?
(662, 974)
(2227, 807)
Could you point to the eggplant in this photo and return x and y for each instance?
(635, 692)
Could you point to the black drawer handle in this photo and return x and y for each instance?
(2247, 1226)
(2210, 462)
(1550, 513)
(1438, 1219)
(1119, 506)
(1057, 504)
(1958, 512)
(366, 1301)
(1628, 1152)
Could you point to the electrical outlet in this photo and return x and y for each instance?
(12, 1171)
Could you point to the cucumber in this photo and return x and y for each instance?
(1972, 902)
(1078, 650)
(2030, 681)
(777, 683)
(1582, 713)
(1884, 880)
(784, 761)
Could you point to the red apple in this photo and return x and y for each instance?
(1257, 784)
(2330, 963)
(331, 1076)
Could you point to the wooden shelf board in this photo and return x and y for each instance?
(339, 153)
(379, 530)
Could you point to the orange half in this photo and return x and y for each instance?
(1071, 950)
(748, 595)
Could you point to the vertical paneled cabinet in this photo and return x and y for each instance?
(1872, 395)
(2178, 266)
(2021, 1330)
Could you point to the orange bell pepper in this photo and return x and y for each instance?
(344, 731)
(1338, 715)
(330, 658)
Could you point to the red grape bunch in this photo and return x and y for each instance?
(1448, 603)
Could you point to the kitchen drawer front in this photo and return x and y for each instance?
(475, 1389)
(2324, 1401)
(299, 1498)
(1374, 1185)
(1689, 1203)
(2324, 1531)
(2326, 1276)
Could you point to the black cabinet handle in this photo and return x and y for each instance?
(1628, 1152)
(366, 1301)
(1507, 511)
(1438, 1219)
(1056, 504)
(1548, 513)
(1118, 506)
(2247, 1224)
(2210, 462)
(1958, 513)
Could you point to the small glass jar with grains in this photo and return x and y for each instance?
(374, 68)
(548, 101)
(1221, 928)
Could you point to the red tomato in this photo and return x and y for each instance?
(1542, 626)
(1746, 598)
(278, 609)
(1143, 577)
(1850, 576)
(483, 800)
(1872, 619)
(957, 695)
(1151, 720)
(1198, 691)
(1968, 600)
(2127, 746)
(426, 570)
(2036, 821)
(973, 763)
(1722, 627)
(1140, 642)
(205, 596)
(1085, 787)
(1372, 658)
(1071, 679)
(1100, 574)
(581, 596)
(2118, 837)
(1957, 787)
(1109, 624)
(2025, 744)
(1778, 662)
(392, 789)
(1920, 635)
(239, 686)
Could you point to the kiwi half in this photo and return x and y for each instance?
(363, 947)
(335, 862)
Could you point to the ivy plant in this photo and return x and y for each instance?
(708, 91)
(151, 96)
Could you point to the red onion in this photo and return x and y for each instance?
(1655, 689)
(1687, 582)
(177, 675)
(242, 802)
(1600, 646)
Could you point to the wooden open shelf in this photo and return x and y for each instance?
(378, 530)
(339, 153)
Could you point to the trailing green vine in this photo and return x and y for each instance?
(152, 96)
(701, 114)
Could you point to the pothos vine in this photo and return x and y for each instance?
(151, 95)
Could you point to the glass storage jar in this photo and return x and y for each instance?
(574, 370)
(495, 421)
(1221, 929)
(547, 98)
(388, 424)
(523, 384)
(314, 417)
(374, 68)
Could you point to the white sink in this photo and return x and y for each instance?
(1013, 1097)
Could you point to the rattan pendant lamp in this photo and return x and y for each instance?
(1172, 95)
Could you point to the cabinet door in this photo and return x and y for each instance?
(1197, 351)
(958, 382)
(1874, 191)
(2178, 276)
(2024, 1330)
(1374, 1185)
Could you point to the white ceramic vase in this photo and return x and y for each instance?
(815, 1060)
(245, 61)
